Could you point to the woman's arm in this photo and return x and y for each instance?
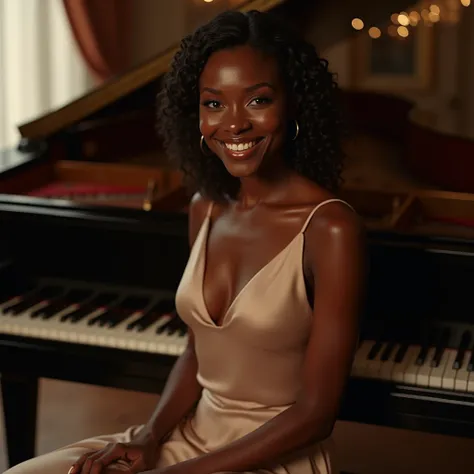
(334, 247)
(178, 398)
(182, 389)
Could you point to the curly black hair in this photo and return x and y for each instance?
(317, 153)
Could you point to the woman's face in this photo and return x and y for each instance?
(243, 110)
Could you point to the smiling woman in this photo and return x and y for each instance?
(243, 112)
(272, 287)
(286, 85)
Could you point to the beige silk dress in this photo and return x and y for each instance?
(249, 366)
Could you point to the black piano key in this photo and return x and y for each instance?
(402, 350)
(420, 359)
(99, 301)
(148, 318)
(111, 318)
(120, 311)
(72, 297)
(428, 340)
(182, 329)
(160, 309)
(470, 364)
(374, 350)
(105, 317)
(170, 327)
(6, 299)
(20, 291)
(387, 351)
(178, 327)
(463, 345)
(441, 346)
(22, 298)
(6, 296)
(100, 319)
(127, 308)
(43, 294)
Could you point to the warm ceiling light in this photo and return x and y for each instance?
(403, 31)
(357, 24)
(375, 32)
(392, 31)
(414, 18)
(403, 19)
(466, 3)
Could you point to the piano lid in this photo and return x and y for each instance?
(118, 87)
(331, 20)
(97, 148)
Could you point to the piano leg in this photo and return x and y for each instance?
(20, 398)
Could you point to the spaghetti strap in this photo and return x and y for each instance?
(209, 209)
(321, 204)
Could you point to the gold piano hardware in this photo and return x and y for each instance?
(105, 184)
(417, 212)
(150, 193)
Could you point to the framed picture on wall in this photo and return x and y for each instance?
(392, 63)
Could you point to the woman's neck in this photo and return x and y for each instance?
(263, 188)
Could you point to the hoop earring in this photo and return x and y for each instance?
(297, 130)
(201, 145)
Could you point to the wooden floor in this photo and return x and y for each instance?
(69, 412)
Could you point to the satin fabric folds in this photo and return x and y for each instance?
(249, 366)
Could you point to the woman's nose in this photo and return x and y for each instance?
(236, 121)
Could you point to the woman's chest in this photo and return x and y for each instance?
(241, 262)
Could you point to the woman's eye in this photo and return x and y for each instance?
(212, 104)
(260, 101)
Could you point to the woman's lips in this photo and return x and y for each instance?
(242, 150)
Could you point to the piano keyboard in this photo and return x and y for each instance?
(417, 365)
(148, 323)
(82, 315)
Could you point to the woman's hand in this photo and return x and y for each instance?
(140, 455)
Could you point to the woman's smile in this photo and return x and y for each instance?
(243, 110)
(241, 149)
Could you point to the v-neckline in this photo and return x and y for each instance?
(203, 265)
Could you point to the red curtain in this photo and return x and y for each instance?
(102, 31)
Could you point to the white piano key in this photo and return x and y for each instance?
(360, 360)
(411, 369)
(373, 367)
(6, 304)
(462, 376)
(149, 341)
(423, 375)
(436, 375)
(386, 368)
(449, 376)
(470, 382)
(81, 332)
(400, 367)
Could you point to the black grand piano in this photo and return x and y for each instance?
(93, 241)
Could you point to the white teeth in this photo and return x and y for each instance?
(240, 146)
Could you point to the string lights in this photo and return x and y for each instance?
(424, 12)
